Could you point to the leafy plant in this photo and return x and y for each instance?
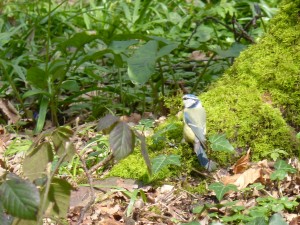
(122, 138)
(21, 198)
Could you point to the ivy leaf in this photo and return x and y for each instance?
(220, 143)
(19, 197)
(221, 189)
(282, 165)
(163, 160)
(258, 221)
(121, 140)
(277, 219)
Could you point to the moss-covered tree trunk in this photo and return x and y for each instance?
(257, 102)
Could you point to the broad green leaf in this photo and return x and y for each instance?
(57, 69)
(19, 197)
(35, 162)
(121, 140)
(166, 49)
(94, 56)
(42, 114)
(277, 219)
(282, 165)
(258, 221)
(233, 51)
(203, 33)
(37, 78)
(141, 65)
(199, 209)
(59, 194)
(163, 160)
(220, 143)
(107, 122)
(221, 189)
(35, 92)
(62, 144)
(120, 46)
(298, 135)
(79, 40)
(278, 175)
(70, 85)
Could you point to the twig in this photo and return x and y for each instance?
(100, 164)
(92, 195)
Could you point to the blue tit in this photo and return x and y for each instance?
(194, 131)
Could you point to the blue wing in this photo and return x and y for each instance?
(198, 128)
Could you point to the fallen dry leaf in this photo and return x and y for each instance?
(248, 177)
(9, 110)
(241, 165)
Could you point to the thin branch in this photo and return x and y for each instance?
(92, 195)
(100, 164)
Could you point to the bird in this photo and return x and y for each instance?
(194, 130)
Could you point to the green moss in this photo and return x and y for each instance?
(258, 98)
(132, 166)
(255, 103)
(201, 188)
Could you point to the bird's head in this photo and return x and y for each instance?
(191, 101)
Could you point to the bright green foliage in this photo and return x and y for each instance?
(220, 189)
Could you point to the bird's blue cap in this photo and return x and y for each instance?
(191, 96)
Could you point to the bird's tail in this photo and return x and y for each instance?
(202, 157)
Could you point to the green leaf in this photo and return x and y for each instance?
(133, 198)
(258, 221)
(79, 40)
(298, 135)
(277, 219)
(282, 165)
(59, 194)
(203, 33)
(220, 143)
(19, 197)
(121, 140)
(35, 162)
(42, 114)
(221, 189)
(35, 92)
(161, 161)
(37, 78)
(166, 49)
(278, 175)
(107, 122)
(120, 46)
(141, 65)
(233, 51)
(70, 85)
(199, 209)
(62, 143)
